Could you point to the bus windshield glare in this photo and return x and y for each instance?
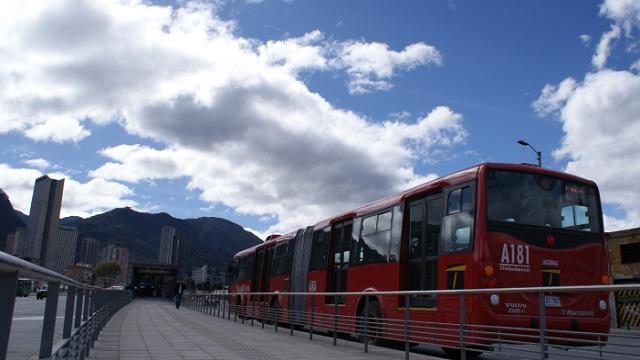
(540, 200)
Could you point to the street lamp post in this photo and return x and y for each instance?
(538, 153)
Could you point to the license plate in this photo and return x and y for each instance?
(552, 301)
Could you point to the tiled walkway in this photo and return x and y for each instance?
(148, 329)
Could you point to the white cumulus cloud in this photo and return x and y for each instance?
(41, 164)
(371, 66)
(585, 39)
(554, 97)
(599, 59)
(301, 177)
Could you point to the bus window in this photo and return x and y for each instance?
(396, 234)
(232, 271)
(242, 269)
(280, 260)
(542, 201)
(457, 225)
(319, 249)
(374, 244)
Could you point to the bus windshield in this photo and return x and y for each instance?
(540, 200)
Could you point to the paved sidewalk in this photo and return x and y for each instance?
(147, 329)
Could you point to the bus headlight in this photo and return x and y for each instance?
(602, 305)
(495, 299)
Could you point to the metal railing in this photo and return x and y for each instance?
(550, 332)
(82, 322)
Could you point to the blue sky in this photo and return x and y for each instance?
(276, 114)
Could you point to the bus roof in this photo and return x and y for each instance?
(286, 237)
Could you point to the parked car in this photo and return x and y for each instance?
(42, 292)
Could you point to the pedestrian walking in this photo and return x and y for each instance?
(179, 290)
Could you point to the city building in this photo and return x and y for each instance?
(80, 272)
(42, 230)
(200, 274)
(88, 253)
(624, 264)
(154, 280)
(121, 255)
(169, 246)
(64, 253)
(107, 253)
(15, 244)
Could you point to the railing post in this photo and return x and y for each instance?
(311, 318)
(235, 313)
(366, 324)
(78, 317)
(335, 320)
(9, 284)
(406, 326)
(543, 325)
(276, 314)
(599, 348)
(291, 318)
(253, 311)
(85, 305)
(463, 352)
(49, 322)
(68, 313)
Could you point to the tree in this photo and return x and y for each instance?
(108, 269)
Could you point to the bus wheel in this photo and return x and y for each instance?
(240, 309)
(274, 313)
(457, 353)
(374, 321)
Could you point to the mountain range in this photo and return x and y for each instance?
(204, 241)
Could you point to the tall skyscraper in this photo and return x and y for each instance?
(169, 246)
(66, 248)
(88, 251)
(122, 257)
(42, 230)
(16, 242)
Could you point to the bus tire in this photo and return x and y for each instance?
(374, 331)
(240, 309)
(274, 314)
(453, 353)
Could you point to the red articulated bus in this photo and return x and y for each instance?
(489, 226)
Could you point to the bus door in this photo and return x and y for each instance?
(341, 236)
(425, 218)
(256, 284)
(266, 272)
